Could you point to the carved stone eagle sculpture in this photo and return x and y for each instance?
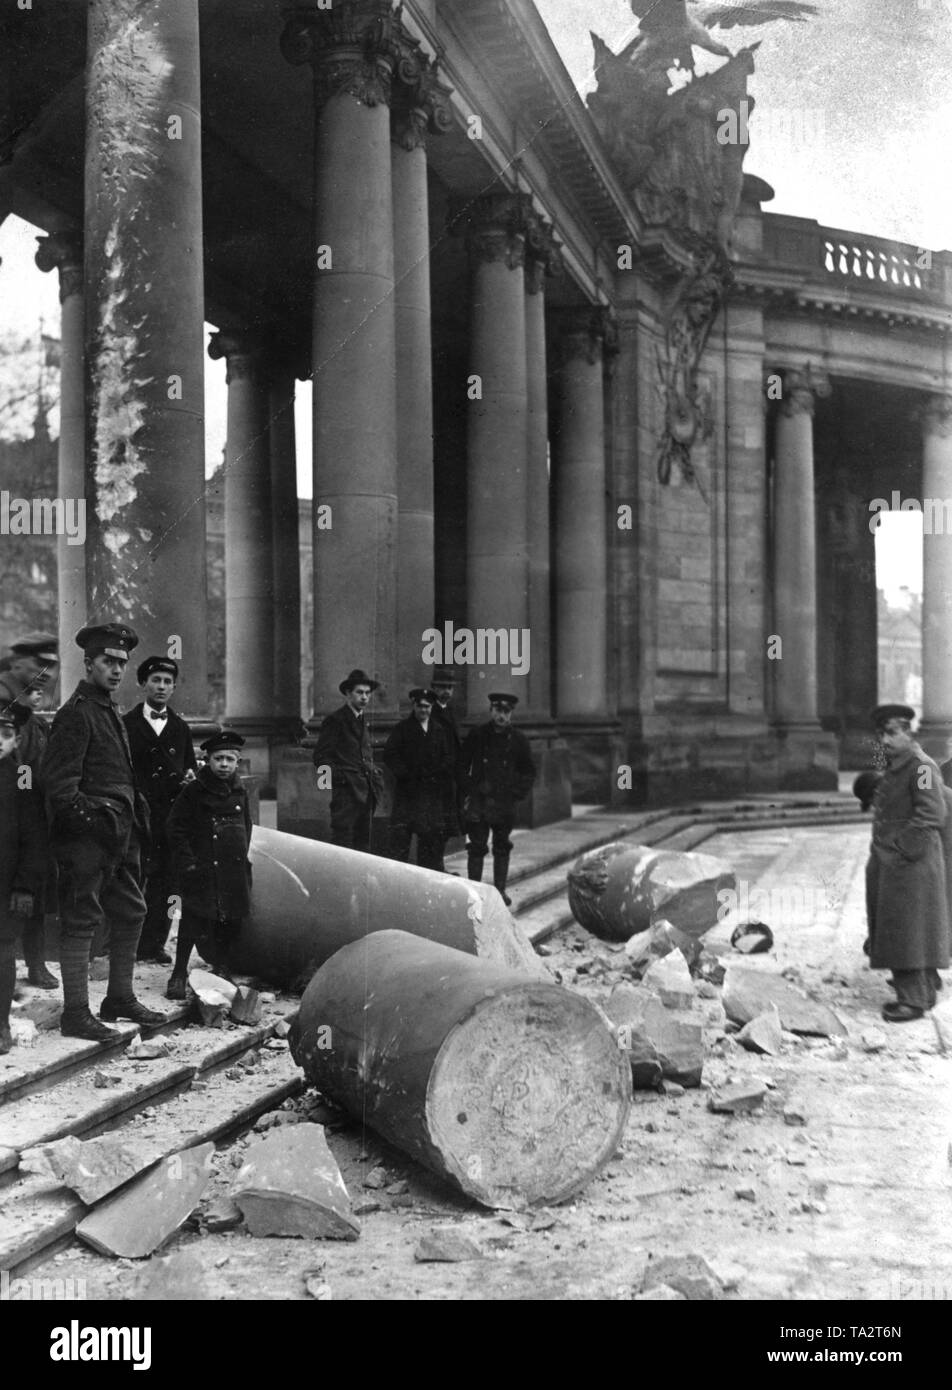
(669, 28)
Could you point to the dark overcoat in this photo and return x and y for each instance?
(344, 744)
(454, 798)
(422, 765)
(23, 845)
(87, 773)
(160, 763)
(906, 874)
(497, 772)
(209, 832)
(32, 738)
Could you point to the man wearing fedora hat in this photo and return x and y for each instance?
(497, 773)
(99, 829)
(906, 906)
(163, 759)
(421, 758)
(345, 745)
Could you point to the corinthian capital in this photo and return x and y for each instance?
(420, 99)
(353, 47)
(587, 333)
(801, 387)
(241, 349)
(935, 416)
(62, 251)
(543, 253)
(495, 226)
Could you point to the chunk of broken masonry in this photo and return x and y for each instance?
(671, 979)
(222, 1214)
(447, 1244)
(649, 1031)
(750, 990)
(311, 898)
(659, 941)
(246, 1005)
(620, 889)
(148, 1049)
(511, 1088)
(92, 1168)
(147, 1213)
(212, 997)
(690, 1275)
(752, 938)
(763, 1033)
(660, 1293)
(290, 1185)
(181, 1277)
(738, 1099)
(43, 1010)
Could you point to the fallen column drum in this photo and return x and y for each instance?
(310, 898)
(511, 1088)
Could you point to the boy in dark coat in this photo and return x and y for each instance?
(23, 855)
(497, 773)
(906, 874)
(209, 834)
(163, 759)
(421, 758)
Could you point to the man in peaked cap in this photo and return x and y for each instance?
(497, 773)
(99, 827)
(422, 759)
(345, 745)
(163, 760)
(906, 905)
(32, 671)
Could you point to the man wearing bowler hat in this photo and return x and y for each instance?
(906, 903)
(163, 759)
(497, 773)
(99, 827)
(344, 744)
(28, 679)
(422, 760)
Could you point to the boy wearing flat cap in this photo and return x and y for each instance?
(497, 773)
(99, 829)
(209, 835)
(163, 759)
(345, 745)
(421, 758)
(906, 904)
(23, 853)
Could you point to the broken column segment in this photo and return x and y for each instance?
(509, 1087)
(310, 898)
(620, 889)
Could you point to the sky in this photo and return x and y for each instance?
(853, 128)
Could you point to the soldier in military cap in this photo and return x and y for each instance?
(209, 834)
(497, 773)
(99, 826)
(163, 759)
(30, 674)
(344, 744)
(906, 905)
(23, 854)
(422, 759)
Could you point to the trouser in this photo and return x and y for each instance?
(476, 846)
(212, 937)
(429, 844)
(157, 889)
(917, 987)
(9, 929)
(98, 886)
(351, 820)
(34, 940)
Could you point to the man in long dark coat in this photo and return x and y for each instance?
(906, 903)
(99, 829)
(345, 745)
(23, 855)
(422, 760)
(497, 773)
(443, 686)
(163, 759)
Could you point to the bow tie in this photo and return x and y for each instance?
(159, 715)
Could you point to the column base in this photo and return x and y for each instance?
(935, 738)
(596, 752)
(265, 739)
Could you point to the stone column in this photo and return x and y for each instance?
(936, 419)
(286, 551)
(353, 50)
(64, 251)
(145, 456)
(417, 109)
(542, 259)
(578, 475)
(498, 559)
(249, 553)
(794, 545)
